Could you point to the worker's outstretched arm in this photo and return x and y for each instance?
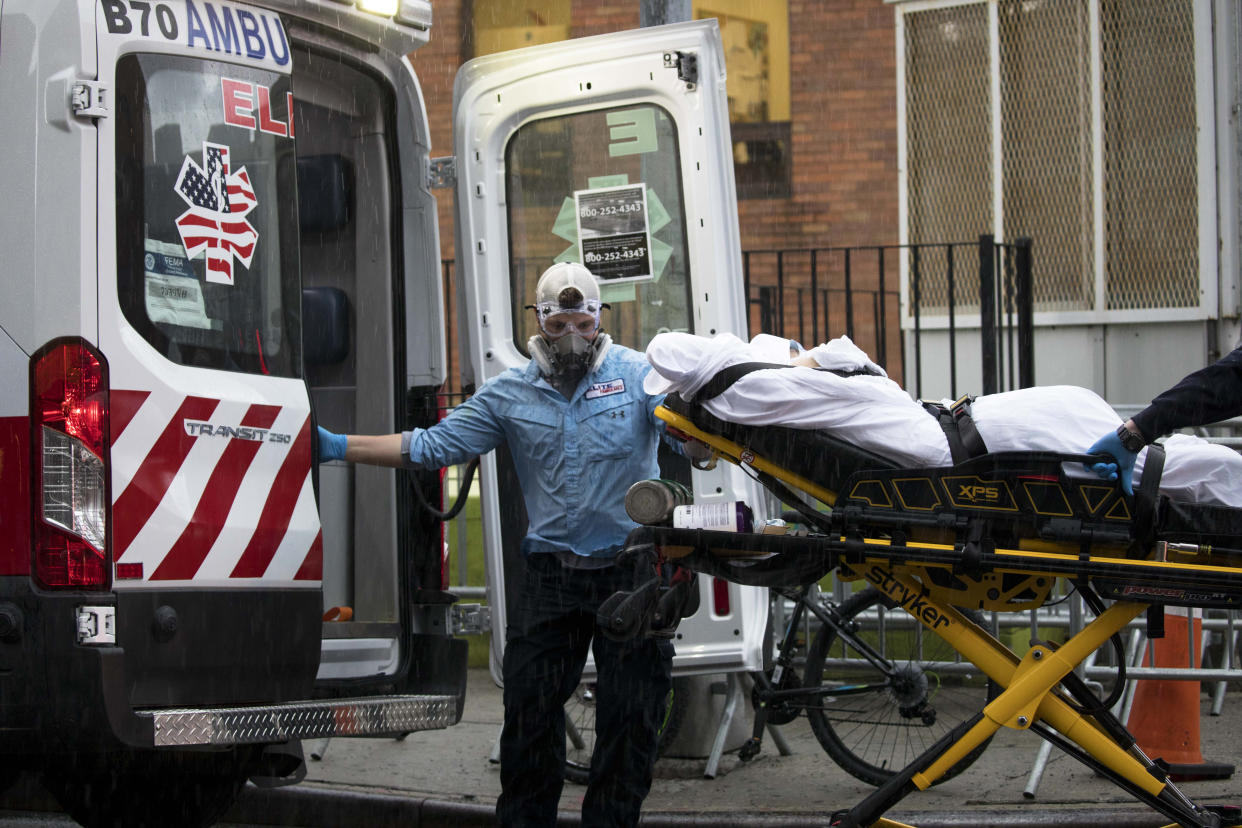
(371, 449)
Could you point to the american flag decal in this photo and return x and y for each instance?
(219, 200)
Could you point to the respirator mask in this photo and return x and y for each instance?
(567, 308)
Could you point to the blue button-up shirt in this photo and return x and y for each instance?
(575, 458)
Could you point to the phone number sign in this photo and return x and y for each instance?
(614, 238)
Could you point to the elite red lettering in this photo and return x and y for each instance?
(266, 122)
(238, 103)
(241, 99)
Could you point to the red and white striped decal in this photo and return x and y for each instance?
(193, 505)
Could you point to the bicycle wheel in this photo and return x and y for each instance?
(878, 721)
(580, 728)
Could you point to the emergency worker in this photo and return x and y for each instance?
(1208, 395)
(581, 430)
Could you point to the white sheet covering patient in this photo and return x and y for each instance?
(874, 413)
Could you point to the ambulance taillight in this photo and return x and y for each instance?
(69, 418)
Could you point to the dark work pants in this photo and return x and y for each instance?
(545, 648)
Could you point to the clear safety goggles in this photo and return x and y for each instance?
(557, 321)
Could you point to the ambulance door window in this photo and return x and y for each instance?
(207, 262)
(602, 188)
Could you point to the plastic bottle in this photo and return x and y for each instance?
(731, 516)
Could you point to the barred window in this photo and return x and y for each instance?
(949, 140)
(1150, 165)
(1011, 105)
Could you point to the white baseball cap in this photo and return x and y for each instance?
(567, 287)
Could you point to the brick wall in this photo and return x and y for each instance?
(844, 121)
(843, 125)
(592, 18)
(843, 111)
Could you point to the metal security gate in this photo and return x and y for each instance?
(813, 295)
(1088, 124)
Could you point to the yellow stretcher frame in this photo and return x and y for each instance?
(1032, 685)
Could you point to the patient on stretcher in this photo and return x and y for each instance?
(867, 409)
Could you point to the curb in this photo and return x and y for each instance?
(311, 807)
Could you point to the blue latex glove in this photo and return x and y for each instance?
(331, 446)
(1110, 444)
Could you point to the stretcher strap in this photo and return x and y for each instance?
(1146, 498)
(955, 421)
(725, 377)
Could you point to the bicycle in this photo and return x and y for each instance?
(580, 727)
(876, 695)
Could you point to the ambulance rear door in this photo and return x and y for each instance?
(221, 237)
(215, 533)
(613, 151)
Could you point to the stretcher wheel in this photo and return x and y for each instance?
(873, 717)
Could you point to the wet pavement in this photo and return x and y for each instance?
(446, 778)
(803, 788)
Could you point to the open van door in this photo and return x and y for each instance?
(375, 357)
(613, 151)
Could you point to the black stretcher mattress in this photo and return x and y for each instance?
(837, 465)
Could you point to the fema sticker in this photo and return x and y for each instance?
(215, 225)
(603, 389)
(209, 25)
(165, 262)
(174, 295)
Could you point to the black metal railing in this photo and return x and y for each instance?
(1005, 307)
(815, 294)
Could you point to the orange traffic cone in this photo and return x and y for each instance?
(1164, 717)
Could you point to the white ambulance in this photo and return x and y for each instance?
(218, 230)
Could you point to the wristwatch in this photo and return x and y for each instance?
(1130, 441)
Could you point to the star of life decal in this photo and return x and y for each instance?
(219, 199)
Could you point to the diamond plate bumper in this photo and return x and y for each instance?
(385, 715)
